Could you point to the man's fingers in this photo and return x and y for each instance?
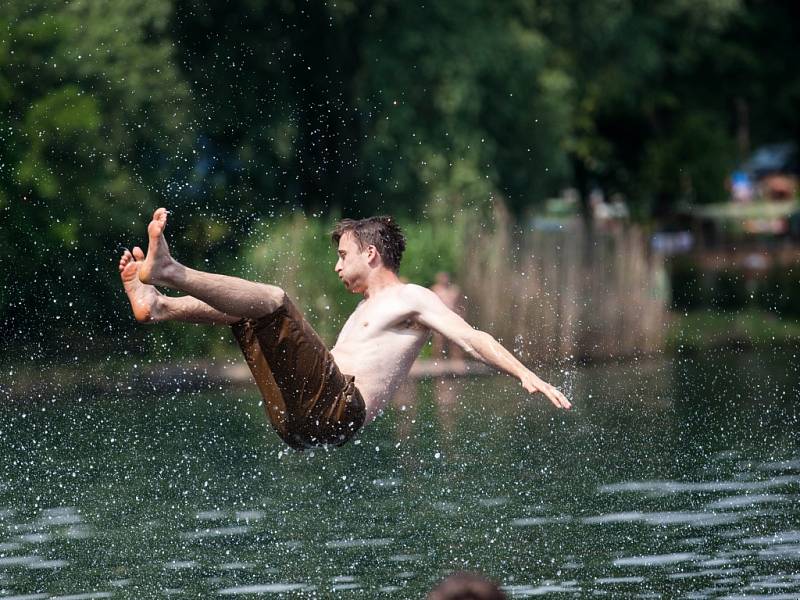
(559, 399)
(566, 404)
(556, 397)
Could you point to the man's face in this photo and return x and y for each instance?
(353, 264)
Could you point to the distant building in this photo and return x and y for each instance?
(774, 170)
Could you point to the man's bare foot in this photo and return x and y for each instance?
(143, 297)
(158, 262)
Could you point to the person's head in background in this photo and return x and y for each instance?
(466, 586)
(443, 278)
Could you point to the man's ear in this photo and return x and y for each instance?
(372, 253)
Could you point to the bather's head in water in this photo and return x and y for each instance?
(466, 586)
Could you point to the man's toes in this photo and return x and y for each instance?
(128, 270)
(138, 254)
(159, 222)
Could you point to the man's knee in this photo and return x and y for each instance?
(270, 300)
(280, 297)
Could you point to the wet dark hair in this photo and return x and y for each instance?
(466, 586)
(381, 232)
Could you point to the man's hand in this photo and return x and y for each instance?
(533, 384)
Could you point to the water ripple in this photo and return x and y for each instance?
(89, 596)
(61, 515)
(541, 590)
(405, 557)
(528, 521)
(48, 564)
(211, 515)
(776, 538)
(780, 551)
(338, 587)
(615, 580)
(782, 465)
(358, 543)
(215, 532)
(673, 487)
(269, 588)
(9, 546)
(620, 517)
(387, 483)
(693, 519)
(746, 500)
(656, 559)
(18, 560)
(761, 597)
(249, 515)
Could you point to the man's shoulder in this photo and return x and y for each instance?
(413, 292)
(413, 288)
(416, 297)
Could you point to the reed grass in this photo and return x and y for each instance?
(568, 293)
(549, 296)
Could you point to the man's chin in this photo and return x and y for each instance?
(351, 288)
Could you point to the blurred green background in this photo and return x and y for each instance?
(259, 122)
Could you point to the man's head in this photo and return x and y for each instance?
(366, 244)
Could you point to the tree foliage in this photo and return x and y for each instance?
(92, 127)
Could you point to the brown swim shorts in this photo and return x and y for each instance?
(309, 401)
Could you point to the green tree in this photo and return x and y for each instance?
(465, 101)
(650, 80)
(93, 112)
(367, 105)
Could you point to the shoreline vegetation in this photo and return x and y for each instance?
(559, 296)
(687, 333)
(751, 328)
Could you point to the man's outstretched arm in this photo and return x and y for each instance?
(432, 312)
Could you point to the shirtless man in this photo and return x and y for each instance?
(314, 396)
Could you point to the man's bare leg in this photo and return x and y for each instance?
(229, 295)
(151, 306)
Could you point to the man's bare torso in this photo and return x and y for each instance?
(378, 344)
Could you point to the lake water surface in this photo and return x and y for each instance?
(672, 478)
